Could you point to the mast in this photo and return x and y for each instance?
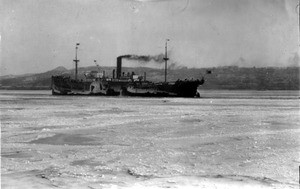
(166, 59)
(76, 60)
(298, 6)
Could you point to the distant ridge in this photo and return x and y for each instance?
(59, 69)
(56, 71)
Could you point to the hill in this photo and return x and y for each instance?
(229, 77)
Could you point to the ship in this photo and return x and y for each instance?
(121, 84)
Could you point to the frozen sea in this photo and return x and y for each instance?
(226, 139)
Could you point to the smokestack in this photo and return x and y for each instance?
(114, 73)
(119, 67)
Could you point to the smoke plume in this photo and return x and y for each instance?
(157, 58)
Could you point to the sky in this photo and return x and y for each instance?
(40, 35)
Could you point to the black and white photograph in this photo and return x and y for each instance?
(121, 94)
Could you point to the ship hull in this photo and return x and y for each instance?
(65, 86)
(113, 87)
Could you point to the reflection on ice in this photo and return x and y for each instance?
(64, 139)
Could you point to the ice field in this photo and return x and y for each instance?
(227, 139)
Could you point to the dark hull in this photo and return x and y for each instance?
(148, 94)
(186, 88)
